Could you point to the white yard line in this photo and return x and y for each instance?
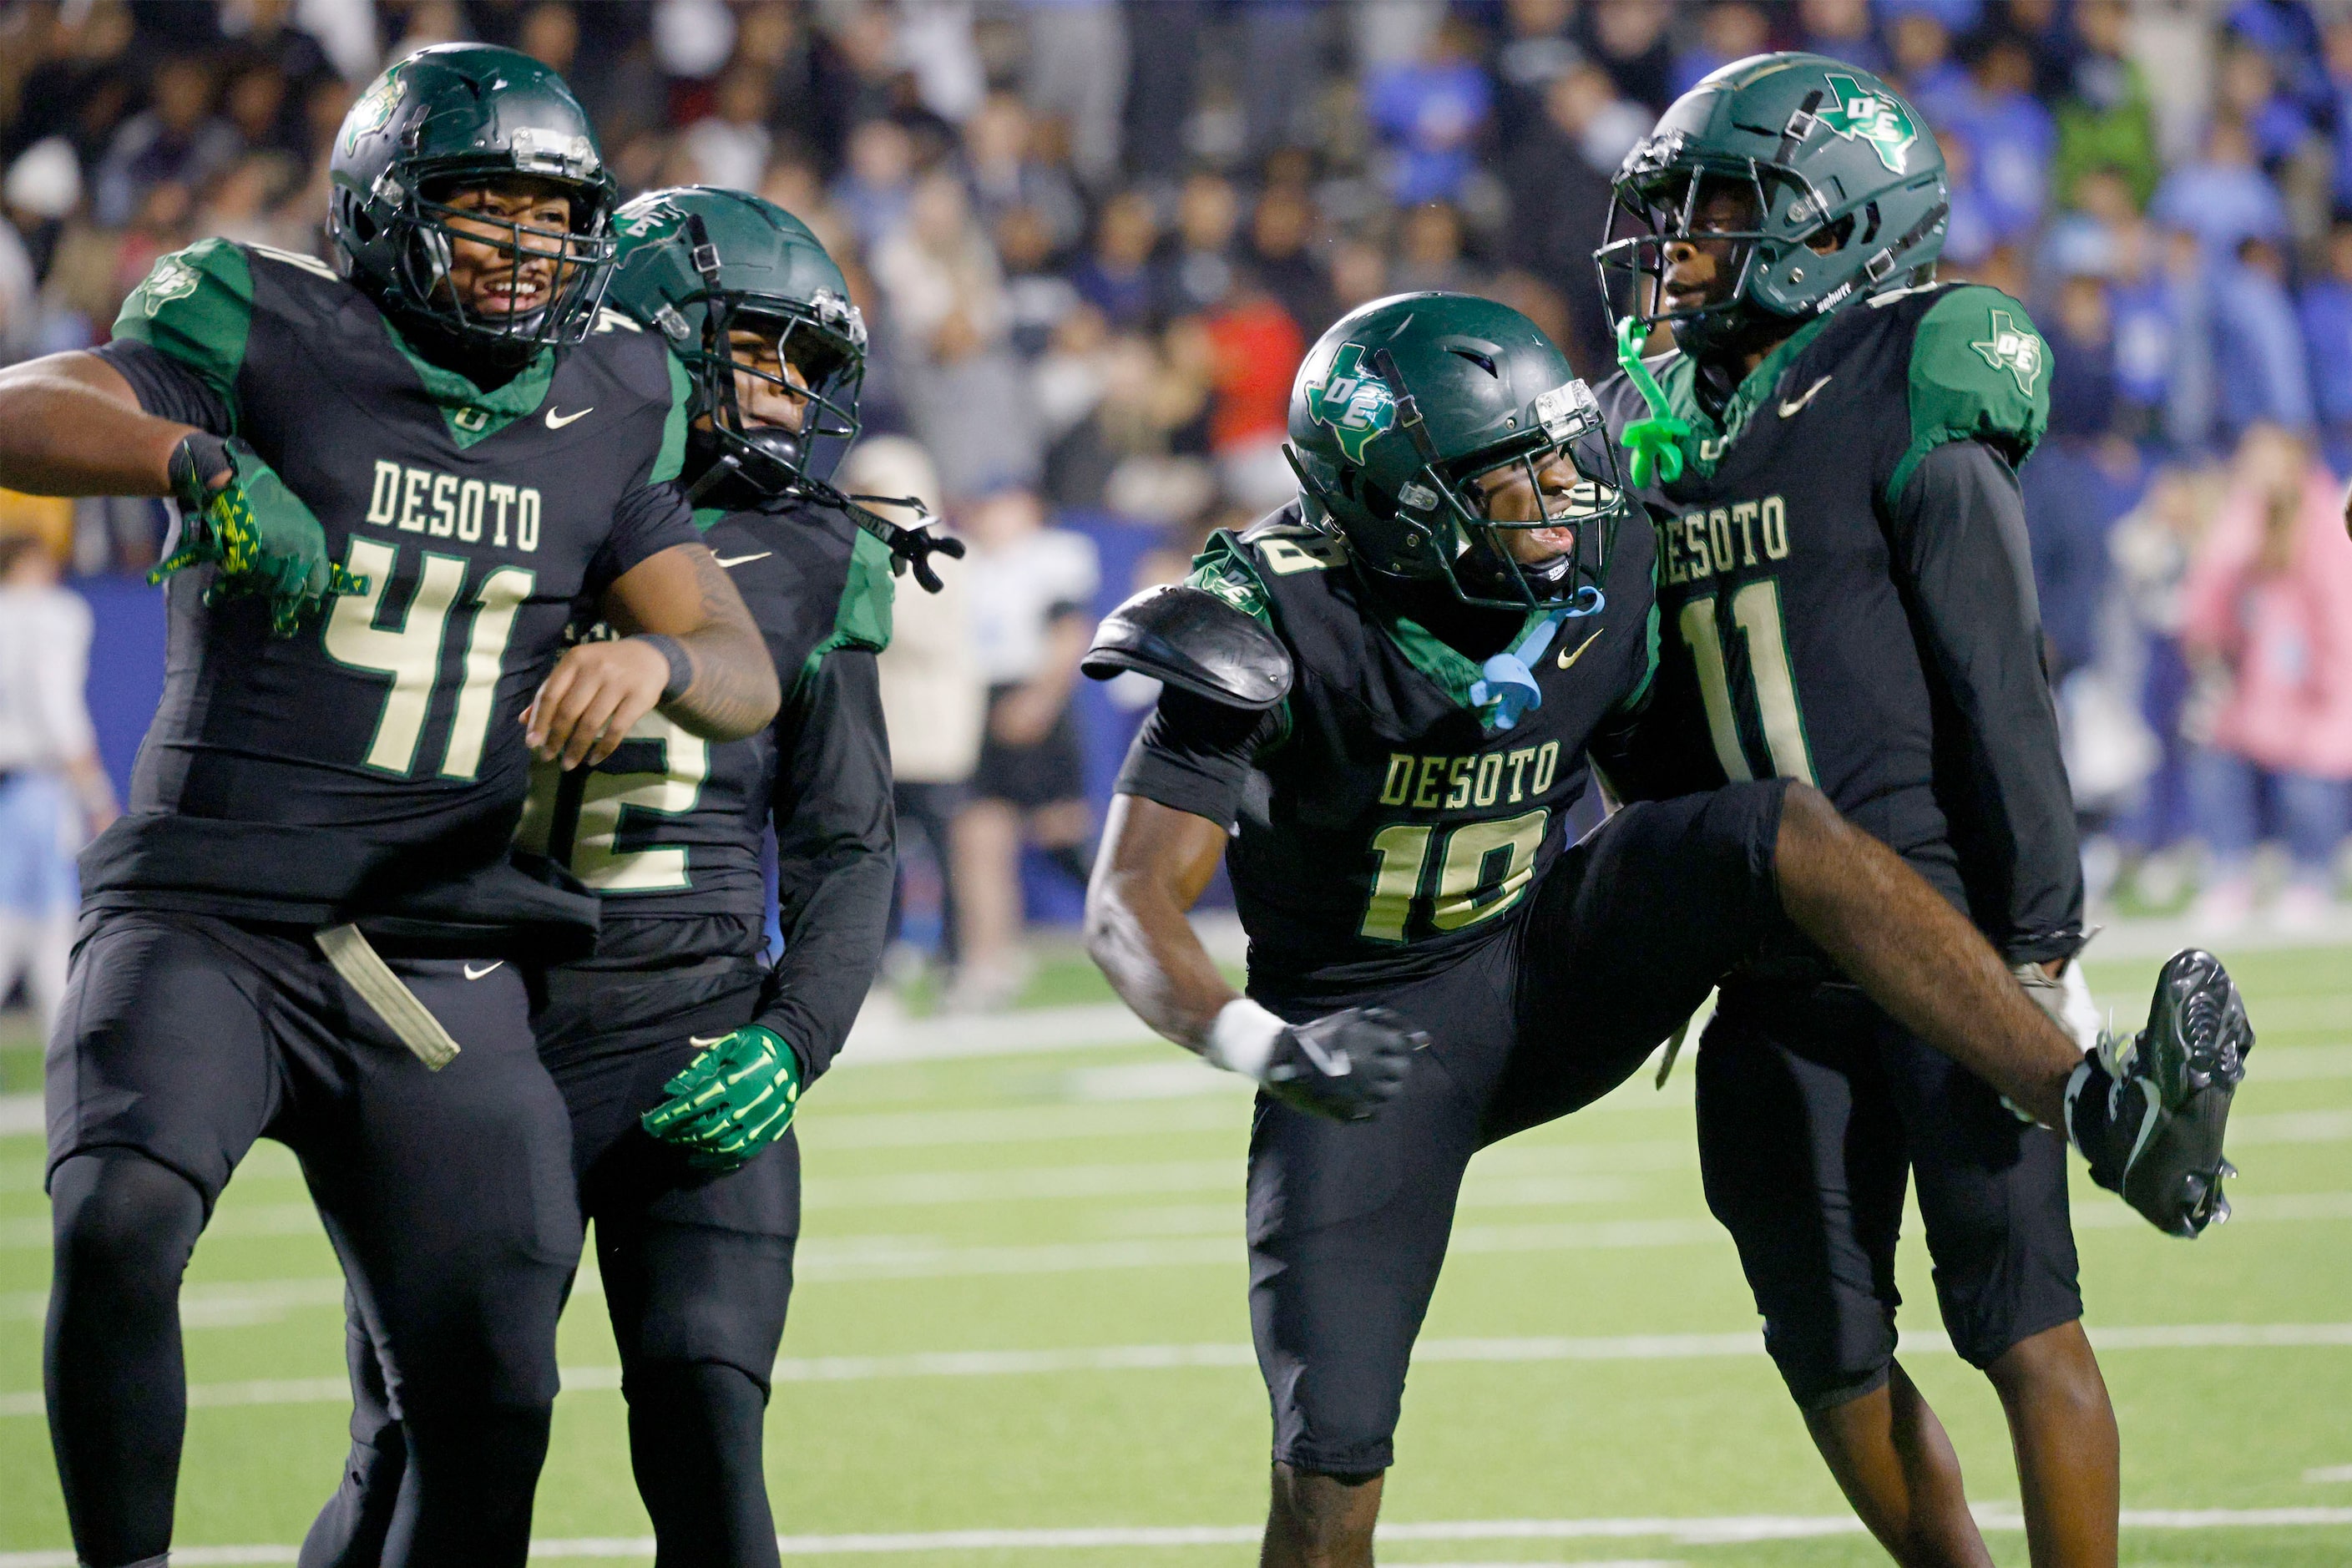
(837, 1260)
(1721, 1530)
(1744, 1344)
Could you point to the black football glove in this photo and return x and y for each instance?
(1344, 1065)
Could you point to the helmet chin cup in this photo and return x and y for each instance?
(773, 459)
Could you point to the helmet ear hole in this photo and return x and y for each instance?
(1870, 223)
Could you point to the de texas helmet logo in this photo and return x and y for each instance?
(1861, 115)
(1355, 405)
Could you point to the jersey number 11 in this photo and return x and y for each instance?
(1755, 616)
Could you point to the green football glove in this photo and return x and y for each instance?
(732, 1101)
(263, 537)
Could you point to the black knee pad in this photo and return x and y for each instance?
(694, 1431)
(122, 1217)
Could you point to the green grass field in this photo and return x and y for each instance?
(1020, 1338)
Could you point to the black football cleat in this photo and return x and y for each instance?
(2149, 1113)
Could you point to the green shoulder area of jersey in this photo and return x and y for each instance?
(196, 307)
(1979, 372)
(862, 621)
(670, 461)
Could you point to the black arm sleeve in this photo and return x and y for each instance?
(1964, 564)
(836, 856)
(166, 388)
(649, 518)
(1195, 755)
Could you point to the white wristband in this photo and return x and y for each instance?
(1241, 1039)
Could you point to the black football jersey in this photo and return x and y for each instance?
(668, 830)
(1384, 829)
(379, 750)
(1794, 637)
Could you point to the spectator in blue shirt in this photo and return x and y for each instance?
(2013, 137)
(1924, 63)
(2339, 79)
(1728, 32)
(2326, 314)
(1841, 30)
(2248, 91)
(2080, 480)
(2258, 344)
(2222, 197)
(2287, 33)
(1115, 277)
(1427, 114)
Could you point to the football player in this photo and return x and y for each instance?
(1377, 707)
(396, 476)
(1830, 452)
(680, 1056)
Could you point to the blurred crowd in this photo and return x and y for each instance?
(1094, 237)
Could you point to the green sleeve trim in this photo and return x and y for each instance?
(705, 518)
(862, 621)
(1979, 372)
(196, 306)
(670, 461)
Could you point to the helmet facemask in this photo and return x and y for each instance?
(427, 229)
(1737, 210)
(823, 345)
(1449, 502)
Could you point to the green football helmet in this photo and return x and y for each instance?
(1819, 180)
(1407, 400)
(698, 263)
(449, 118)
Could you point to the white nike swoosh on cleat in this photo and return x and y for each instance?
(698, 1041)
(1567, 657)
(558, 421)
(726, 560)
(474, 973)
(1791, 410)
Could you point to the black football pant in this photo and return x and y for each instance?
(184, 1039)
(1815, 1110)
(697, 1271)
(1617, 945)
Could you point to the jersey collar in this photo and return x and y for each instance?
(1705, 446)
(1455, 673)
(471, 413)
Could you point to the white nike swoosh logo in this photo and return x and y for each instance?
(738, 560)
(558, 421)
(1332, 1064)
(696, 1040)
(1789, 410)
(1567, 658)
(474, 973)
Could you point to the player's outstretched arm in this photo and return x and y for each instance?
(71, 425)
(689, 646)
(1155, 861)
